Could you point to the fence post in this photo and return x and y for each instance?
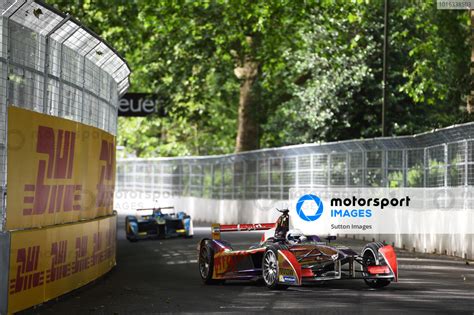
(6, 25)
(269, 177)
(61, 59)
(297, 172)
(46, 61)
(101, 107)
(329, 161)
(203, 174)
(244, 179)
(135, 177)
(190, 178)
(84, 81)
(233, 180)
(181, 176)
(466, 161)
(446, 161)
(153, 184)
(281, 179)
(425, 167)
(222, 181)
(9, 47)
(404, 167)
(212, 181)
(257, 177)
(364, 169)
(346, 171)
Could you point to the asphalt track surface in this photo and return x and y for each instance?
(161, 276)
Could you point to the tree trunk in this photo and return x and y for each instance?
(247, 133)
(247, 71)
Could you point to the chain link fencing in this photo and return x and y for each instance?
(439, 158)
(247, 187)
(52, 64)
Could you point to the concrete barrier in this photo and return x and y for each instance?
(234, 211)
(4, 270)
(38, 265)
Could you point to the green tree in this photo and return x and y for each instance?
(183, 48)
(340, 94)
(341, 53)
(246, 74)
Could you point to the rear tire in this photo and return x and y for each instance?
(206, 264)
(270, 269)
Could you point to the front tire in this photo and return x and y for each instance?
(132, 240)
(206, 264)
(128, 229)
(270, 269)
(377, 283)
(369, 252)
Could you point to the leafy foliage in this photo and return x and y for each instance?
(319, 68)
(340, 94)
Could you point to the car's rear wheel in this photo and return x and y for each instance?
(128, 229)
(270, 269)
(370, 260)
(206, 264)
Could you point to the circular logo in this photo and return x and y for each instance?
(313, 207)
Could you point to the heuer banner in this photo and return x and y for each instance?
(446, 210)
(46, 263)
(58, 170)
(142, 104)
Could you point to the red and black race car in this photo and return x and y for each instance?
(286, 258)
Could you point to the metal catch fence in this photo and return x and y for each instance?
(440, 158)
(52, 64)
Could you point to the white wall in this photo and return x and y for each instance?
(227, 211)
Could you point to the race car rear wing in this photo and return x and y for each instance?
(155, 209)
(217, 228)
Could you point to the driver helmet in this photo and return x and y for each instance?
(295, 237)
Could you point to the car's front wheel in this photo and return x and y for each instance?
(206, 264)
(129, 220)
(370, 259)
(270, 269)
(377, 283)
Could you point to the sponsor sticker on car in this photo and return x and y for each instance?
(287, 279)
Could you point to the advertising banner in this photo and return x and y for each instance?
(445, 210)
(58, 170)
(142, 104)
(46, 263)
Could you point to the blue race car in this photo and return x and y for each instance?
(158, 225)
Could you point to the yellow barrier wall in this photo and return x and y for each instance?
(58, 171)
(48, 262)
